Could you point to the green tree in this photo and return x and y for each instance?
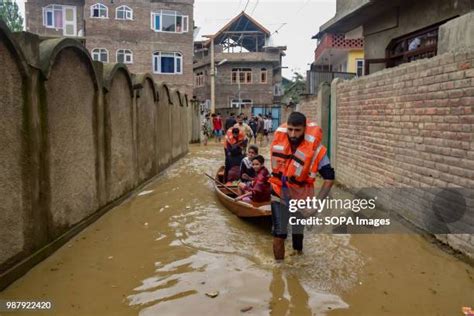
(10, 14)
(294, 88)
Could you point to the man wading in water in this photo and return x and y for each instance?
(297, 155)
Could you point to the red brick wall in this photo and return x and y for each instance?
(412, 125)
(308, 106)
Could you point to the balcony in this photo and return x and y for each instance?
(248, 57)
(336, 42)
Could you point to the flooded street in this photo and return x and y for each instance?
(160, 253)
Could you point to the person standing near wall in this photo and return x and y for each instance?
(243, 127)
(260, 129)
(230, 121)
(297, 155)
(217, 127)
(206, 129)
(253, 126)
(268, 127)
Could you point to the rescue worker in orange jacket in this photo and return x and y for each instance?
(234, 137)
(297, 155)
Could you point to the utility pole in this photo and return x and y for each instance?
(213, 78)
(238, 83)
(213, 75)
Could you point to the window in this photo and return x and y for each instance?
(60, 17)
(100, 54)
(422, 43)
(199, 79)
(263, 75)
(167, 63)
(169, 21)
(99, 10)
(360, 67)
(241, 75)
(124, 56)
(124, 13)
(53, 16)
(242, 104)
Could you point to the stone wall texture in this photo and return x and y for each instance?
(77, 135)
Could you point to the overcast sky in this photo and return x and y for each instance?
(292, 23)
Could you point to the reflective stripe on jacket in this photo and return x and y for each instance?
(299, 167)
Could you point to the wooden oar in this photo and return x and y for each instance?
(220, 183)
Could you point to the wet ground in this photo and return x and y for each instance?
(160, 253)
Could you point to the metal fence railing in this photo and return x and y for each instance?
(315, 78)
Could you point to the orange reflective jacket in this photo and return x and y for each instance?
(299, 167)
(231, 140)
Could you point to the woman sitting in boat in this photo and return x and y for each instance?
(246, 170)
(259, 189)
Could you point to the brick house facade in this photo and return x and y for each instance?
(258, 64)
(147, 35)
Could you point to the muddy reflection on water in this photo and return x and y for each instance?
(233, 257)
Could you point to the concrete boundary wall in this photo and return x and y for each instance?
(78, 137)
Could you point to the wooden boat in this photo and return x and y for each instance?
(239, 208)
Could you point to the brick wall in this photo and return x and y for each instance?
(309, 106)
(136, 34)
(260, 93)
(34, 16)
(410, 126)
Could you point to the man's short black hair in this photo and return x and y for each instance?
(231, 114)
(259, 158)
(296, 119)
(235, 130)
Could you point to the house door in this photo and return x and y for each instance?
(274, 111)
(69, 27)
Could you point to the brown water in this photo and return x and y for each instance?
(160, 253)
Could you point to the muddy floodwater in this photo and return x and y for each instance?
(160, 252)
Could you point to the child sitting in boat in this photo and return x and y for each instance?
(246, 170)
(259, 189)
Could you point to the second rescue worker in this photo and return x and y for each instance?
(234, 137)
(297, 155)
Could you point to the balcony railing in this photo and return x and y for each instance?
(337, 41)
